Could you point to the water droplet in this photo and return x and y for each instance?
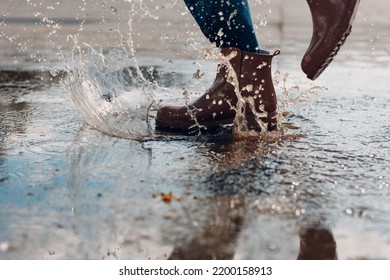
(4, 247)
(113, 10)
(272, 246)
(54, 72)
(249, 88)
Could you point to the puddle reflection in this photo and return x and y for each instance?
(236, 181)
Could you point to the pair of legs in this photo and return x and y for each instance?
(243, 85)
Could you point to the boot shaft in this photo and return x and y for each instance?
(256, 80)
(251, 76)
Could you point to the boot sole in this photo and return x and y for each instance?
(209, 126)
(316, 70)
(178, 127)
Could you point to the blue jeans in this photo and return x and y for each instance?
(227, 23)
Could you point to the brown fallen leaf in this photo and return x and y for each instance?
(167, 198)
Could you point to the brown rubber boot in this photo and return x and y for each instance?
(219, 104)
(332, 23)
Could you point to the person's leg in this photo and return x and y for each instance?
(243, 90)
(227, 23)
(243, 82)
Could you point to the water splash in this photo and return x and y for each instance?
(291, 95)
(113, 96)
(109, 87)
(288, 96)
(102, 76)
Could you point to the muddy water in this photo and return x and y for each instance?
(70, 190)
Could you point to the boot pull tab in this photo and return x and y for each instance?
(277, 52)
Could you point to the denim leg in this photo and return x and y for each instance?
(227, 23)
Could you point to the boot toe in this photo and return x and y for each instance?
(173, 117)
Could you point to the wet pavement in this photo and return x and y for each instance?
(116, 189)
